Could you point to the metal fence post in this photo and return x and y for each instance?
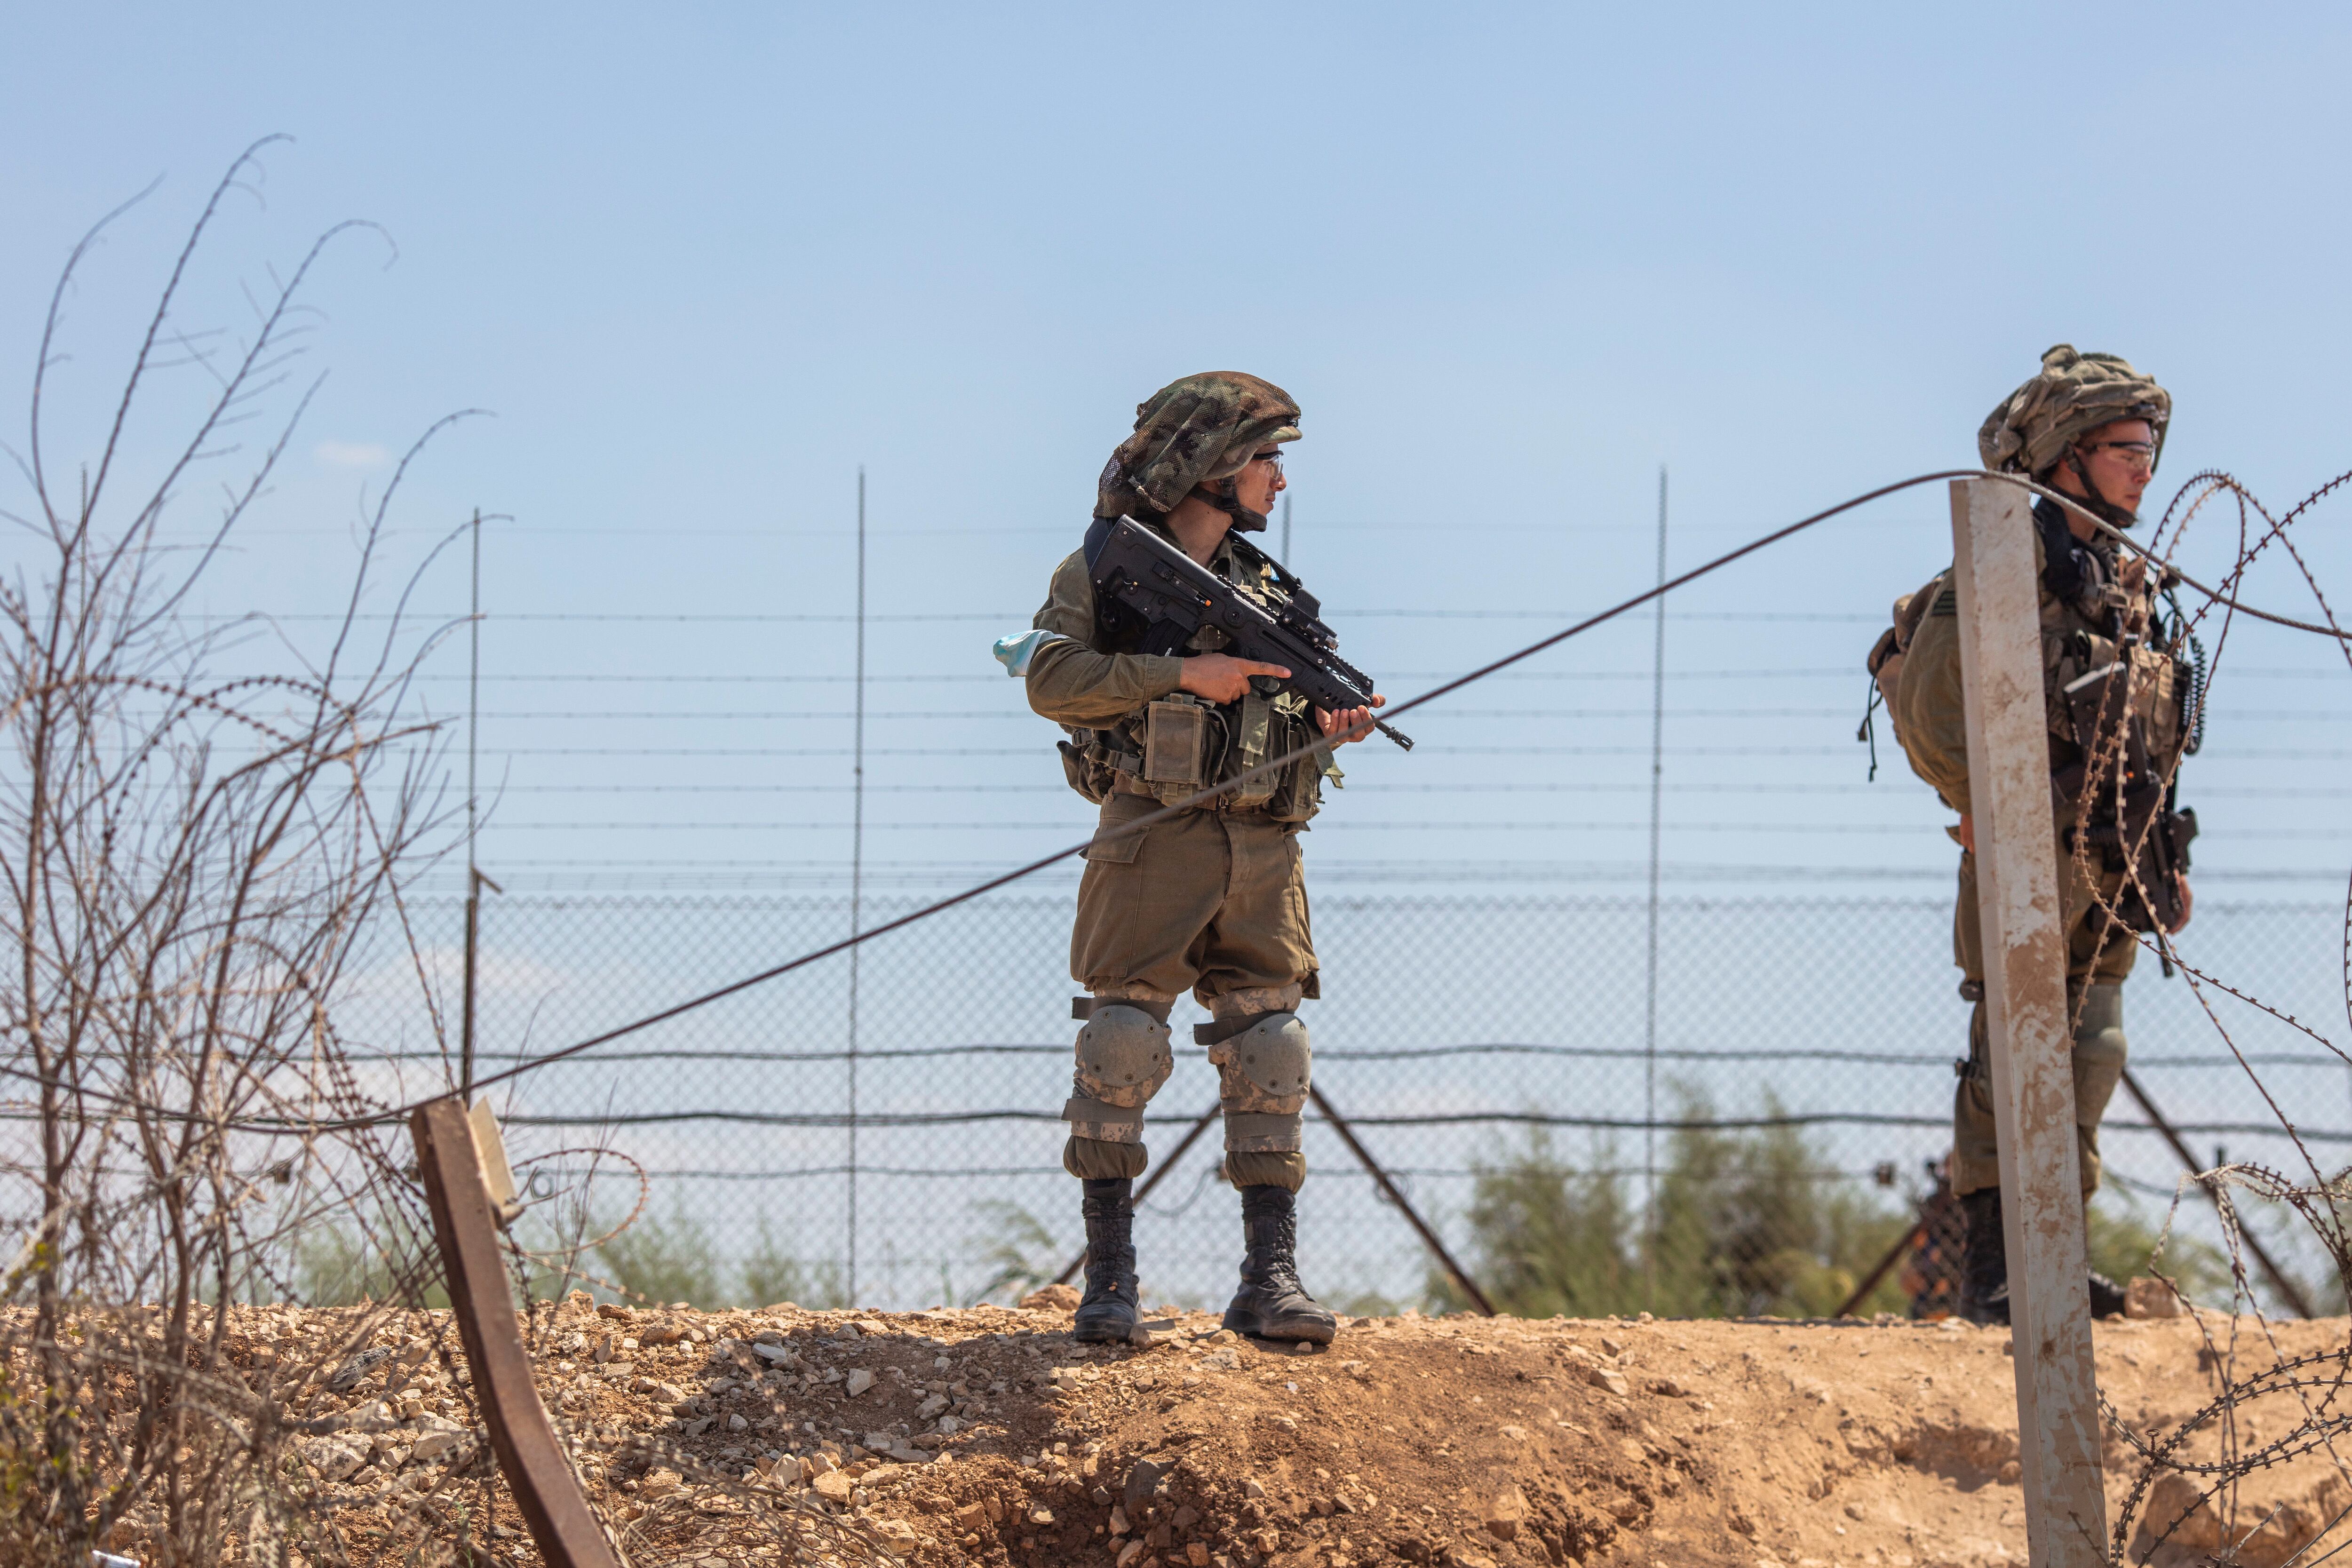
(2020, 910)
(1395, 1194)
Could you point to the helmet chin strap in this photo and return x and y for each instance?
(2109, 511)
(1224, 495)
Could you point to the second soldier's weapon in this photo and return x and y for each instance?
(1177, 596)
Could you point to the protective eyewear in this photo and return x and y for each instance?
(2138, 454)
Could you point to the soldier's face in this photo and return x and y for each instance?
(1261, 480)
(2121, 458)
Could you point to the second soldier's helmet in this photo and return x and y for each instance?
(1196, 432)
(2075, 394)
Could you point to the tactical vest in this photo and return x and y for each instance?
(1181, 744)
(2123, 692)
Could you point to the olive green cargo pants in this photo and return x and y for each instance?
(1209, 902)
(2099, 955)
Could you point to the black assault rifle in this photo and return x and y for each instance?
(1176, 596)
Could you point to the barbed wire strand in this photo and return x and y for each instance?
(1218, 791)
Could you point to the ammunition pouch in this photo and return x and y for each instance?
(2118, 705)
(2153, 847)
(1177, 732)
(1092, 760)
(1179, 746)
(1253, 730)
(1088, 778)
(1295, 794)
(2109, 728)
(1298, 793)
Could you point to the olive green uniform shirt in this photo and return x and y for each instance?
(1070, 681)
(1212, 900)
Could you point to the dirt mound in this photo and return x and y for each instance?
(987, 1435)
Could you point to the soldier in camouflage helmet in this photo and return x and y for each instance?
(1192, 438)
(2053, 428)
(2090, 426)
(1212, 900)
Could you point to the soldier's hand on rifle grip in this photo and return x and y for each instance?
(1350, 718)
(1223, 679)
(2187, 902)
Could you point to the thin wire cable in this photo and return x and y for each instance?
(767, 715)
(1539, 825)
(1378, 788)
(1941, 1061)
(1809, 672)
(1002, 616)
(1218, 791)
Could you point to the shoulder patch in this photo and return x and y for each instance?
(1948, 602)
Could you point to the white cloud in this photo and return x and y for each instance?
(351, 454)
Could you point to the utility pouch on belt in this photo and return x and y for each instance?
(1175, 742)
(2098, 702)
(1252, 745)
(1092, 760)
(1299, 788)
(1299, 795)
(2125, 815)
(2147, 902)
(1089, 777)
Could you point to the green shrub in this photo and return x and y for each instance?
(1743, 1226)
(665, 1260)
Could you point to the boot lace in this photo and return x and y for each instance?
(1278, 1273)
(1110, 1254)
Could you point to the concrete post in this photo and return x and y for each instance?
(2020, 912)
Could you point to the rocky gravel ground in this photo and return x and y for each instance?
(987, 1435)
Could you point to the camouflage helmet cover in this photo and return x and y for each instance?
(1195, 431)
(2074, 393)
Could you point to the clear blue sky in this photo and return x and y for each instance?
(703, 264)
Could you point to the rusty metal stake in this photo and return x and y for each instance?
(1909, 1239)
(1388, 1190)
(530, 1455)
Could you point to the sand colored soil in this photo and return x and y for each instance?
(986, 1435)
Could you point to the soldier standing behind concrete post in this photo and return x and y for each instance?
(1214, 899)
(2121, 698)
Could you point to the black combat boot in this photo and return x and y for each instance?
(1108, 1310)
(1272, 1304)
(1984, 1267)
(1984, 1288)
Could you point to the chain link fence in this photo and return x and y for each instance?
(888, 1131)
